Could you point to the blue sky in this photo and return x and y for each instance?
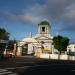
(20, 17)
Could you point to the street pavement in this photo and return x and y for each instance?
(16, 65)
(6, 72)
(31, 64)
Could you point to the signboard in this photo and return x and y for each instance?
(3, 41)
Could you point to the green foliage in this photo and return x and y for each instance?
(2, 47)
(60, 43)
(4, 35)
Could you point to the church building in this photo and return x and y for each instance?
(40, 43)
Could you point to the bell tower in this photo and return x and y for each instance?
(44, 28)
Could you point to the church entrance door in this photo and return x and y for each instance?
(24, 49)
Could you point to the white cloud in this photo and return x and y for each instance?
(28, 18)
(53, 10)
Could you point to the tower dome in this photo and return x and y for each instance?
(44, 23)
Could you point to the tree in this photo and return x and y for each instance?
(4, 36)
(60, 43)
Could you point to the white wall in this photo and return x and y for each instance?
(30, 48)
(53, 56)
(71, 47)
(19, 51)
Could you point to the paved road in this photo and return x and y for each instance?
(49, 70)
(16, 65)
(20, 65)
(17, 62)
(6, 72)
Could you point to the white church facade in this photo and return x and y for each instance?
(40, 43)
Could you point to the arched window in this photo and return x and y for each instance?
(43, 29)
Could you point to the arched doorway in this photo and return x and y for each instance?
(24, 49)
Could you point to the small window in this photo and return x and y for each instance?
(43, 29)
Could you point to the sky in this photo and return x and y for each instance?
(20, 17)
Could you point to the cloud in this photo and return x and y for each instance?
(33, 14)
(68, 18)
(61, 11)
(29, 15)
(54, 10)
(8, 16)
(27, 18)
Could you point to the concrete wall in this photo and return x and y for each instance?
(54, 56)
